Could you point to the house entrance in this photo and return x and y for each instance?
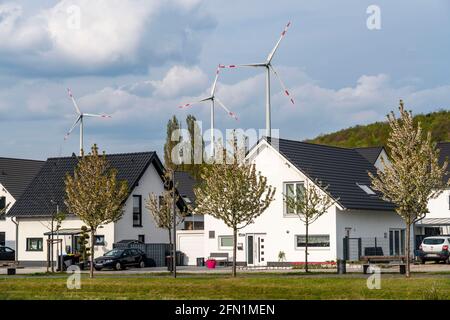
(255, 245)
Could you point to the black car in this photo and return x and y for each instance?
(120, 259)
(7, 254)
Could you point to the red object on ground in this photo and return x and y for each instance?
(211, 263)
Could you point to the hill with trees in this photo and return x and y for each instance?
(376, 134)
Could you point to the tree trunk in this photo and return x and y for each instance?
(91, 272)
(306, 248)
(51, 248)
(170, 246)
(407, 247)
(234, 250)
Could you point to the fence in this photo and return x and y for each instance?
(156, 252)
(355, 248)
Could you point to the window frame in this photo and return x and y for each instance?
(99, 244)
(285, 207)
(225, 248)
(28, 249)
(297, 247)
(140, 211)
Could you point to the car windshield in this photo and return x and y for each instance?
(433, 241)
(114, 253)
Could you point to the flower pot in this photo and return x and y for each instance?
(211, 264)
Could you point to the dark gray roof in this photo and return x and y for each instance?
(444, 154)
(16, 174)
(370, 153)
(340, 169)
(48, 185)
(185, 185)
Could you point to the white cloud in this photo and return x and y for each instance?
(103, 36)
(180, 80)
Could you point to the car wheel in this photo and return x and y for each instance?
(118, 266)
(422, 261)
(142, 264)
(98, 269)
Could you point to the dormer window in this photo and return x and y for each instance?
(366, 189)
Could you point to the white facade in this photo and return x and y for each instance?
(150, 182)
(7, 226)
(274, 231)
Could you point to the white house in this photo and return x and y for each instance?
(358, 223)
(46, 193)
(15, 176)
(437, 221)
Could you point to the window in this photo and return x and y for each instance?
(137, 211)
(212, 234)
(292, 190)
(99, 240)
(314, 241)
(35, 244)
(2, 238)
(396, 242)
(2, 203)
(141, 238)
(225, 242)
(366, 189)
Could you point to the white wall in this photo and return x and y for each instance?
(379, 164)
(366, 224)
(440, 208)
(280, 230)
(150, 183)
(191, 243)
(6, 225)
(36, 227)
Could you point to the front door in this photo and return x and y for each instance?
(396, 242)
(255, 248)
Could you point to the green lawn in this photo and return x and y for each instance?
(223, 287)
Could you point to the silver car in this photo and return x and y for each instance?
(435, 249)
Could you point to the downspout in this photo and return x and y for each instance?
(14, 220)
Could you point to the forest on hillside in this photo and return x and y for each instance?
(376, 134)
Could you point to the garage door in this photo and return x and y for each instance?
(191, 244)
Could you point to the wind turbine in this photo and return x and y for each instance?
(212, 97)
(80, 119)
(269, 67)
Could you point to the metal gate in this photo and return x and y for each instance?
(156, 252)
(352, 249)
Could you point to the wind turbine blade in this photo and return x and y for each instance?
(231, 114)
(213, 89)
(272, 53)
(286, 91)
(73, 100)
(96, 115)
(73, 127)
(232, 66)
(190, 104)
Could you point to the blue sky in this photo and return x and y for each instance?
(138, 60)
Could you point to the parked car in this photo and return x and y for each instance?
(7, 254)
(119, 259)
(435, 249)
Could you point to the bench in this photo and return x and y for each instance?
(386, 261)
(220, 257)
